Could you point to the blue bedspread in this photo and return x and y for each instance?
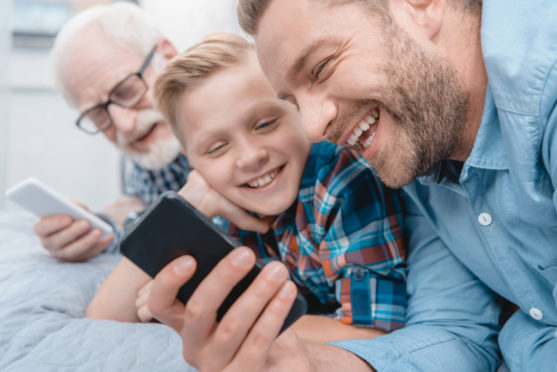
(42, 306)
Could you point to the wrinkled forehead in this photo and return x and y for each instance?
(94, 63)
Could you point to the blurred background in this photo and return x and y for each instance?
(38, 136)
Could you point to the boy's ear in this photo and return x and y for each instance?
(426, 15)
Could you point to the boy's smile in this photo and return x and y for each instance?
(247, 144)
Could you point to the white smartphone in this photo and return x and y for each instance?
(43, 201)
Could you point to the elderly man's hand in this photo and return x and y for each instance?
(209, 202)
(69, 240)
(246, 337)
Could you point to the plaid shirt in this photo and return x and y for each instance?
(341, 240)
(149, 184)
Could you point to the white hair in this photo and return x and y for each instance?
(122, 22)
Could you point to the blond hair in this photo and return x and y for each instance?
(197, 63)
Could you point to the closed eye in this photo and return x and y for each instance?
(317, 71)
(217, 148)
(266, 125)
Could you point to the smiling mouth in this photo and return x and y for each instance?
(265, 179)
(364, 132)
(145, 135)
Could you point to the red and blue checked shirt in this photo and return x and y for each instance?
(342, 240)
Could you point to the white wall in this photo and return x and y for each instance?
(4, 104)
(185, 22)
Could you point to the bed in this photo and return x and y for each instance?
(42, 306)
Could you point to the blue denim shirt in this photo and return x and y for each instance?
(497, 217)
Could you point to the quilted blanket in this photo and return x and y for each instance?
(42, 306)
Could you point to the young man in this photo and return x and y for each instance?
(105, 60)
(466, 94)
(337, 229)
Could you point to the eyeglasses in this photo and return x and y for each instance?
(127, 93)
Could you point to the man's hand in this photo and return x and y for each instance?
(119, 210)
(203, 197)
(69, 240)
(246, 337)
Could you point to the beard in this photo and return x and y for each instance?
(429, 109)
(160, 152)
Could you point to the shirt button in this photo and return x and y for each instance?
(359, 274)
(536, 314)
(484, 219)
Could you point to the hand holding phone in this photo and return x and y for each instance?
(172, 228)
(67, 231)
(43, 201)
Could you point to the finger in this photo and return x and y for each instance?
(241, 316)
(202, 306)
(96, 249)
(162, 302)
(144, 314)
(257, 345)
(145, 289)
(49, 225)
(78, 250)
(64, 237)
(79, 204)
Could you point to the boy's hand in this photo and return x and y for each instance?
(203, 197)
(143, 312)
(69, 240)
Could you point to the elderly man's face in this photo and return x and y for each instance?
(362, 82)
(95, 66)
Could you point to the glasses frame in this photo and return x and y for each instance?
(109, 102)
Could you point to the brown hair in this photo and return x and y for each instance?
(197, 63)
(250, 12)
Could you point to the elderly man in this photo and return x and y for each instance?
(105, 61)
(466, 95)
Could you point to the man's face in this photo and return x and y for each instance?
(247, 144)
(361, 82)
(95, 66)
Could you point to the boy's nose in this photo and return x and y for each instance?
(317, 113)
(123, 118)
(252, 157)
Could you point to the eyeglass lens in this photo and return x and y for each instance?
(126, 94)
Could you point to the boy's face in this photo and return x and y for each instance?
(247, 144)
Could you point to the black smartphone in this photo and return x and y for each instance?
(170, 228)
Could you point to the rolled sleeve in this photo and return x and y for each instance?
(452, 318)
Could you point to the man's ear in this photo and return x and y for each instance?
(426, 15)
(166, 48)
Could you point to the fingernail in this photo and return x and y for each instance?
(241, 257)
(287, 290)
(65, 221)
(183, 265)
(275, 271)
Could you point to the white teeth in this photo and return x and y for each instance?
(263, 180)
(363, 127)
(369, 141)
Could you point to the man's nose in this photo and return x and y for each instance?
(251, 156)
(123, 118)
(317, 113)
